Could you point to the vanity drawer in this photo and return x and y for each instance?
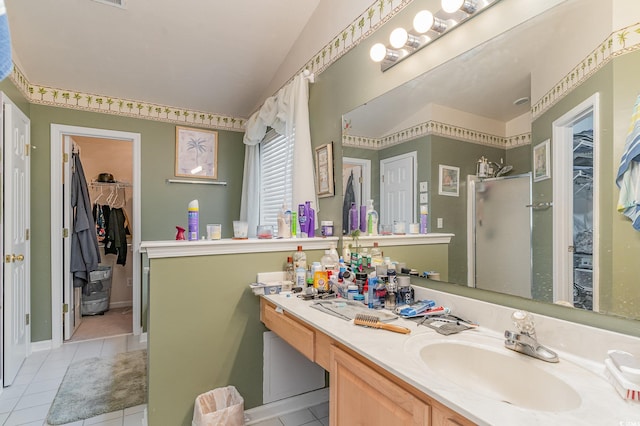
(288, 328)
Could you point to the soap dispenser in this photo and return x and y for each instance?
(372, 219)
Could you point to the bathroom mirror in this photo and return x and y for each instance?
(478, 104)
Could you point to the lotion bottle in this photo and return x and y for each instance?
(372, 219)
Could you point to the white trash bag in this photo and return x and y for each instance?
(222, 406)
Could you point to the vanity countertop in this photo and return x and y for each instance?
(399, 355)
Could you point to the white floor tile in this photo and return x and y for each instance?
(24, 379)
(270, 422)
(49, 374)
(134, 419)
(313, 423)
(321, 410)
(324, 421)
(8, 404)
(4, 417)
(102, 418)
(13, 391)
(28, 415)
(115, 422)
(43, 386)
(297, 418)
(33, 400)
(133, 410)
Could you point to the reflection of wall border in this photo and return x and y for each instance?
(623, 41)
(438, 129)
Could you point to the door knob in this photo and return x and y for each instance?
(19, 257)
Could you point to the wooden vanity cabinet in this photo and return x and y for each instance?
(360, 392)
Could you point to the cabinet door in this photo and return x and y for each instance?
(361, 396)
(289, 329)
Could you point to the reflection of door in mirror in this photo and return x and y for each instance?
(357, 170)
(575, 151)
(397, 190)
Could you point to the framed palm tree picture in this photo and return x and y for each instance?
(196, 153)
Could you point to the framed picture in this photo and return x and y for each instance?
(449, 180)
(324, 171)
(196, 153)
(541, 163)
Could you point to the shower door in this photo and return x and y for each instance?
(502, 233)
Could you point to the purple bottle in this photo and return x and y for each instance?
(311, 220)
(363, 218)
(353, 217)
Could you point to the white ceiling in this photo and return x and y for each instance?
(210, 55)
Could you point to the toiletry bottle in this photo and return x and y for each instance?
(284, 222)
(371, 283)
(423, 219)
(311, 220)
(301, 278)
(289, 270)
(328, 262)
(192, 215)
(294, 224)
(376, 255)
(353, 217)
(299, 259)
(363, 219)
(302, 221)
(372, 219)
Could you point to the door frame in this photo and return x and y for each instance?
(366, 176)
(562, 150)
(58, 131)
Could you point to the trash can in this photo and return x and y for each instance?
(219, 407)
(96, 297)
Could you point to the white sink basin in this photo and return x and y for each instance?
(503, 376)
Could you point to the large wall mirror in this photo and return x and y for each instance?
(536, 94)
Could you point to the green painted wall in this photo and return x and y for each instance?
(205, 330)
(601, 82)
(163, 205)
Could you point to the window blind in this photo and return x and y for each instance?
(276, 160)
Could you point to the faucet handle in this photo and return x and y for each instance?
(523, 321)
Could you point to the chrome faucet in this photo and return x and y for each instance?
(524, 340)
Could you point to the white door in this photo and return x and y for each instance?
(397, 189)
(69, 314)
(16, 239)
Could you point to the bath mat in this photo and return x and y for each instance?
(100, 385)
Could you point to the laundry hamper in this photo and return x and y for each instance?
(219, 407)
(96, 297)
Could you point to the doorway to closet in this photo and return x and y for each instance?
(109, 302)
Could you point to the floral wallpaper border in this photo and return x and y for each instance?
(361, 28)
(620, 42)
(439, 129)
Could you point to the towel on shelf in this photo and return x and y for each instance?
(628, 177)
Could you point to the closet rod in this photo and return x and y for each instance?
(203, 182)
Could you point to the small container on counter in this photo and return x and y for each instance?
(265, 232)
(327, 228)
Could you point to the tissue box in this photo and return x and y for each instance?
(266, 288)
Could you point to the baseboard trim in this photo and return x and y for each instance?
(43, 345)
(285, 406)
(124, 304)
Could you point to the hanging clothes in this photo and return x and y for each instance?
(628, 177)
(85, 255)
(349, 197)
(116, 237)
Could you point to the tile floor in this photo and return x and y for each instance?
(27, 401)
(314, 416)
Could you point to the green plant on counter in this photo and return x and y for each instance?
(355, 235)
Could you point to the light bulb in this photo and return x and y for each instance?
(398, 38)
(378, 52)
(423, 21)
(452, 6)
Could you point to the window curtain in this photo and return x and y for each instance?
(288, 114)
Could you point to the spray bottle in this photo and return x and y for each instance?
(192, 217)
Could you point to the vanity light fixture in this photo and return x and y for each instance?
(427, 27)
